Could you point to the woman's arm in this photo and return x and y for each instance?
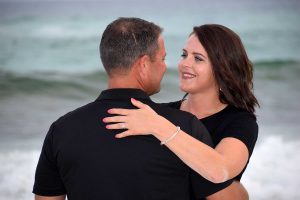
(62, 197)
(216, 165)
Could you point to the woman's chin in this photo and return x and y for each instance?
(184, 88)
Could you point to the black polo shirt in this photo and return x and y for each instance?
(82, 159)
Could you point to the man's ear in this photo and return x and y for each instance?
(143, 66)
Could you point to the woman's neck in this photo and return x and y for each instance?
(203, 105)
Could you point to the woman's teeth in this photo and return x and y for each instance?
(188, 75)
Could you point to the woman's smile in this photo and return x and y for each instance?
(187, 75)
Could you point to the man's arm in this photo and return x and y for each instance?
(236, 191)
(48, 182)
(62, 197)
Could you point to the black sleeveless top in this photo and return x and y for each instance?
(230, 122)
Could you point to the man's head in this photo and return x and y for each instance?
(129, 43)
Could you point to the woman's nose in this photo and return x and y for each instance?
(186, 62)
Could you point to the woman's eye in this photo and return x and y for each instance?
(183, 55)
(197, 58)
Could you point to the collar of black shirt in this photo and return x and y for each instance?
(123, 94)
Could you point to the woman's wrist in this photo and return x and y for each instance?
(163, 129)
(171, 137)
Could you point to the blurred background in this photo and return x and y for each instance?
(49, 65)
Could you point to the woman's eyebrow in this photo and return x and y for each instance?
(195, 53)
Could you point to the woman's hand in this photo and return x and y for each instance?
(141, 121)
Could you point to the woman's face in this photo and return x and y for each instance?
(195, 69)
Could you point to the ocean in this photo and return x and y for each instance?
(50, 65)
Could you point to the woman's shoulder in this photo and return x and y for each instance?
(236, 120)
(241, 118)
(234, 113)
(241, 125)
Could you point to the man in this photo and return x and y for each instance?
(82, 159)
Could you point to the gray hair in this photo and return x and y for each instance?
(125, 40)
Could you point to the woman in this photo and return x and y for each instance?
(216, 74)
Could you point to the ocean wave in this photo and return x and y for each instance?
(50, 83)
(62, 82)
(276, 63)
(268, 172)
(58, 31)
(17, 174)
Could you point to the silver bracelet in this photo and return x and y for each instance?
(172, 136)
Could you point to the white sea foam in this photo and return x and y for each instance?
(17, 174)
(62, 31)
(273, 170)
(272, 173)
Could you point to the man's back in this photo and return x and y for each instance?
(82, 158)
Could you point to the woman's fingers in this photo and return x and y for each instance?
(114, 119)
(116, 126)
(119, 111)
(124, 134)
(136, 121)
(138, 103)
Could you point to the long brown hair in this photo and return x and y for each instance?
(232, 68)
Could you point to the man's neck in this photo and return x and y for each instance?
(123, 82)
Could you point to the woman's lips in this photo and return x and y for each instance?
(186, 75)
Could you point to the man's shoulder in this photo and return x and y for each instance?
(76, 115)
